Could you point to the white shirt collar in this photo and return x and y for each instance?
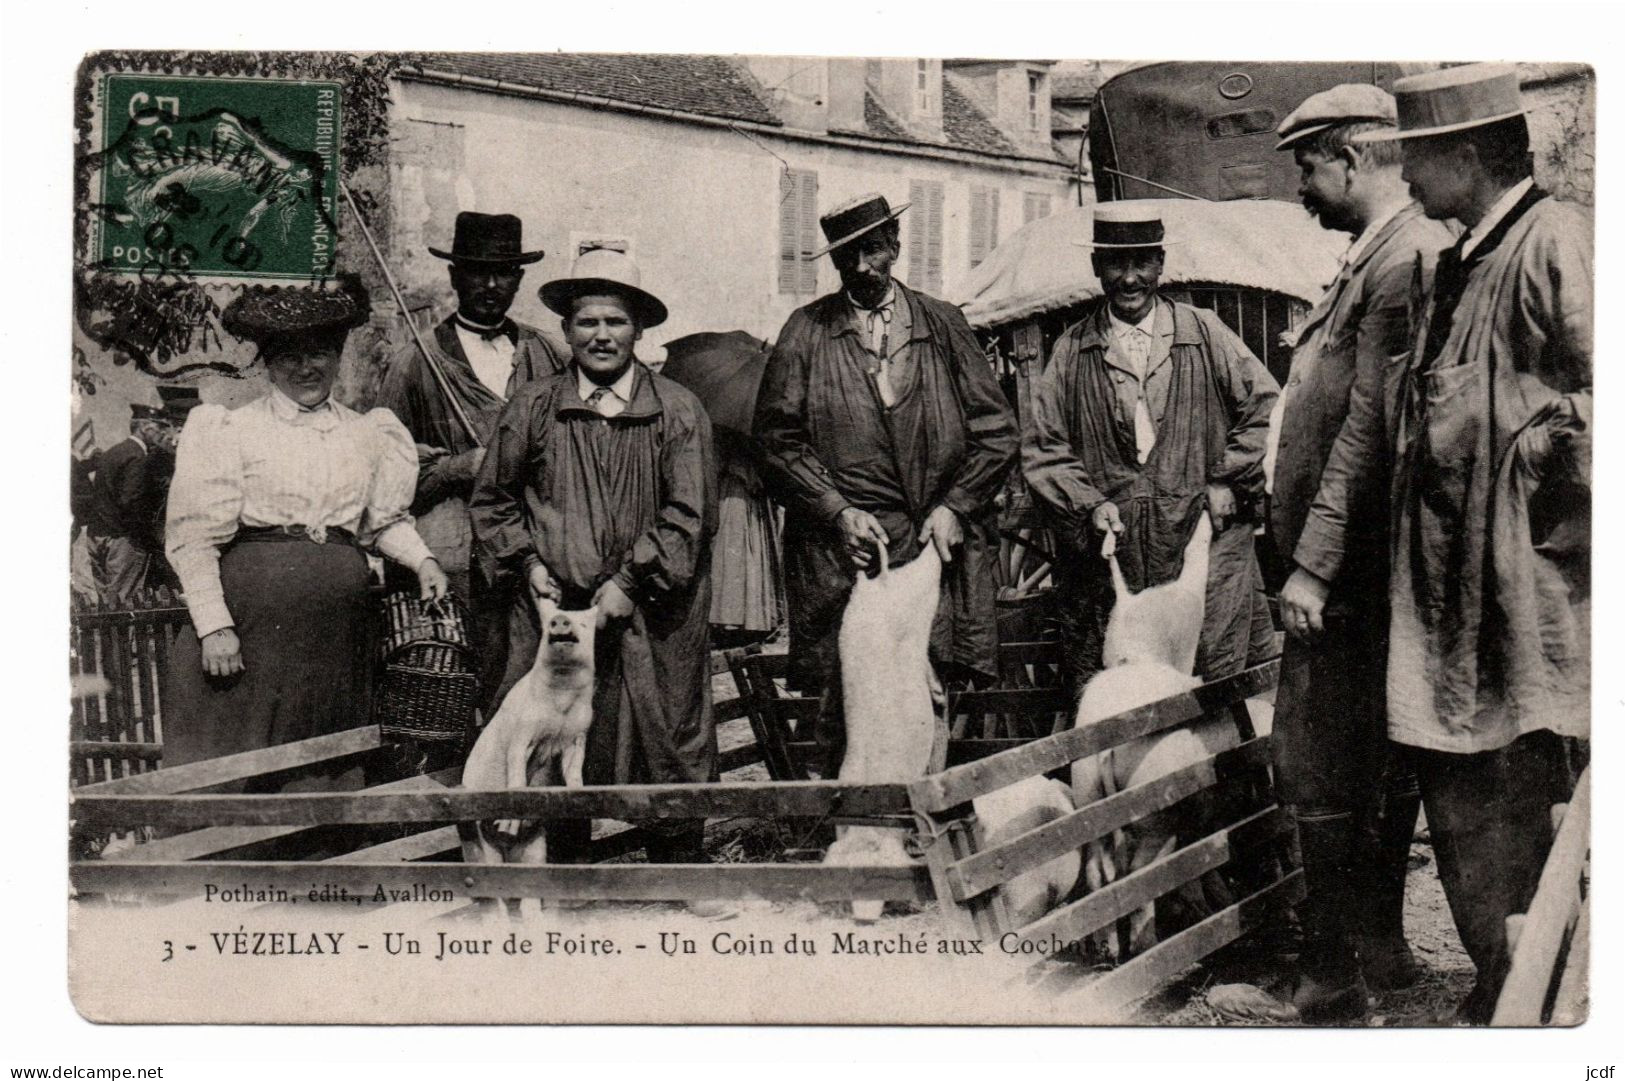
(1376, 226)
(621, 388)
(138, 441)
(287, 409)
(1145, 326)
(1498, 210)
(464, 323)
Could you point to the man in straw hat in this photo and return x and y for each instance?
(1150, 413)
(485, 356)
(1355, 802)
(881, 423)
(599, 490)
(1489, 590)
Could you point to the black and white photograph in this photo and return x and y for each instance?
(625, 536)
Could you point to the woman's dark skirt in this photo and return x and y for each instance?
(302, 616)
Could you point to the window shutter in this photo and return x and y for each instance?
(925, 235)
(933, 240)
(984, 223)
(918, 226)
(798, 230)
(1035, 205)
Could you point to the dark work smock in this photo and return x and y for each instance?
(630, 498)
(1210, 401)
(829, 442)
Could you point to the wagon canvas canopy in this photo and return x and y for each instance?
(1255, 244)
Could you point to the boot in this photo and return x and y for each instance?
(1329, 987)
(1379, 935)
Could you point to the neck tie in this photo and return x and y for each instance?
(1449, 282)
(596, 399)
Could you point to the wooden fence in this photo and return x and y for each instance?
(1551, 943)
(215, 837)
(119, 732)
(402, 831)
(1250, 843)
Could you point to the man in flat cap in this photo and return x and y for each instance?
(880, 423)
(1488, 674)
(485, 356)
(1150, 413)
(1355, 803)
(600, 490)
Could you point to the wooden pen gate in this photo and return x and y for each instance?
(401, 832)
(1250, 843)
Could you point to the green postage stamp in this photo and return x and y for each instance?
(216, 178)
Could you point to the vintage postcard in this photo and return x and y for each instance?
(670, 537)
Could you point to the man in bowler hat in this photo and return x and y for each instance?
(485, 356)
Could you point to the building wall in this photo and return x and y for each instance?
(1562, 102)
(699, 205)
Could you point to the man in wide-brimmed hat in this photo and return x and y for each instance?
(1488, 676)
(1151, 412)
(599, 490)
(881, 423)
(485, 356)
(1354, 799)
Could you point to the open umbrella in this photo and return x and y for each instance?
(723, 370)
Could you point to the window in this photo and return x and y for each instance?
(1034, 205)
(798, 231)
(925, 88)
(984, 223)
(1035, 84)
(925, 235)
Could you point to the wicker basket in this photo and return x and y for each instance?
(428, 688)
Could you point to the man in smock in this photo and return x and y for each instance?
(1150, 413)
(1354, 801)
(484, 356)
(599, 489)
(1489, 591)
(880, 423)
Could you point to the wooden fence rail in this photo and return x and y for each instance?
(1250, 844)
(1556, 928)
(400, 832)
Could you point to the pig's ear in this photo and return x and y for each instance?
(548, 608)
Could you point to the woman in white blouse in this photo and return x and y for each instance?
(269, 511)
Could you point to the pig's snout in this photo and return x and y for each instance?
(560, 629)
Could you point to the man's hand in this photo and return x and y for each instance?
(222, 653)
(861, 533)
(1221, 505)
(612, 603)
(942, 528)
(1105, 519)
(432, 584)
(542, 585)
(1303, 605)
(467, 464)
